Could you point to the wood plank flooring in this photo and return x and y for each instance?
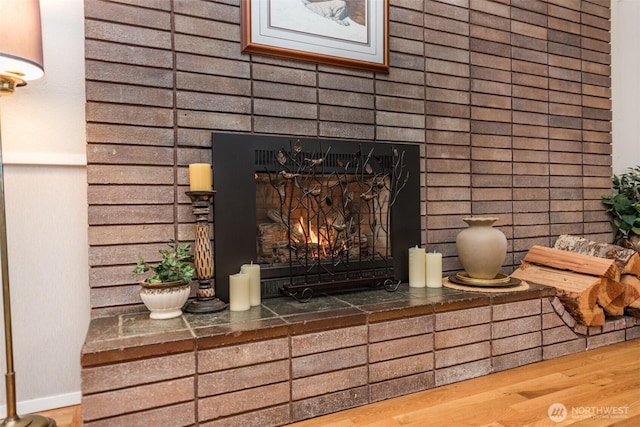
(69, 416)
(591, 386)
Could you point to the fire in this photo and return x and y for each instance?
(312, 236)
(315, 245)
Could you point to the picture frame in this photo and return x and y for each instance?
(346, 33)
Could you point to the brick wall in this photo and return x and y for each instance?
(509, 101)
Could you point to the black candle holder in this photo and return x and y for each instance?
(206, 300)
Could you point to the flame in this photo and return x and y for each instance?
(312, 236)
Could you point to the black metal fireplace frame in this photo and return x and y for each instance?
(235, 161)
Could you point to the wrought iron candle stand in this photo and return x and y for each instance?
(206, 301)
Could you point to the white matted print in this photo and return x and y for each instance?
(350, 33)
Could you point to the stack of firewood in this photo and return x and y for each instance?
(591, 279)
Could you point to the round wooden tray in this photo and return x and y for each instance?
(501, 280)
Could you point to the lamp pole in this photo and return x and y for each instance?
(12, 419)
(21, 60)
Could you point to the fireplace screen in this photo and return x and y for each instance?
(323, 214)
(313, 218)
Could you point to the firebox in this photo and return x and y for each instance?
(318, 215)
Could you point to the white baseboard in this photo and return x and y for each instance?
(44, 403)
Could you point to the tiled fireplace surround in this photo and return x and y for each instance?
(510, 104)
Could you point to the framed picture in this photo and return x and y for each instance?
(349, 33)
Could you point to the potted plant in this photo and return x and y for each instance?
(624, 208)
(165, 291)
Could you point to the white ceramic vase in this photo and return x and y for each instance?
(164, 300)
(481, 248)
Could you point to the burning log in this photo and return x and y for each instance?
(283, 220)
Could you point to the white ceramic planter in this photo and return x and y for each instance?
(164, 300)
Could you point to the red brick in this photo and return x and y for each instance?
(111, 377)
(328, 340)
(516, 343)
(326, 383)
(605, 339)
(558, 334)
(462, 372)
(461, 336)
(123, 401)
(513, 360)
(461, 318)
(402, 367)
(512, 327)
(180, 415)
(401, 386)
(328, 361)
(400, 348)
(237, 402)
(562, 349)
(329, 403)
(242, 378)
(462, 354)
(242, 355)
(269, 417)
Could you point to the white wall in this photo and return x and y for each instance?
(43, 138)
(625, 78)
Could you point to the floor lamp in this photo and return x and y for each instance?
(21, 60)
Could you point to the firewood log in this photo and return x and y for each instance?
(578, 292)
(632, 288)
(282, 219)
(628, 260)
(611, 297)
(633, 282)
(573, 261)
(611, 291)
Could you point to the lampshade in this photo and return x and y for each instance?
(20, 41)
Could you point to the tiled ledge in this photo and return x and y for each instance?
(286, 361)
(133, 336)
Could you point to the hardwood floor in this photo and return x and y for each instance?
(68, 416)
(599, 387)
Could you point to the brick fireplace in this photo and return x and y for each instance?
(509, 106)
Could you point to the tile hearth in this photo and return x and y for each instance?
(286, 361)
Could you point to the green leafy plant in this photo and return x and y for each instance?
(176, 265)
(624, 204)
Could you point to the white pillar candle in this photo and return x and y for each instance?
(434, 270)
(239, 292)
(200, 177)
(416, 267)
(253, 270)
